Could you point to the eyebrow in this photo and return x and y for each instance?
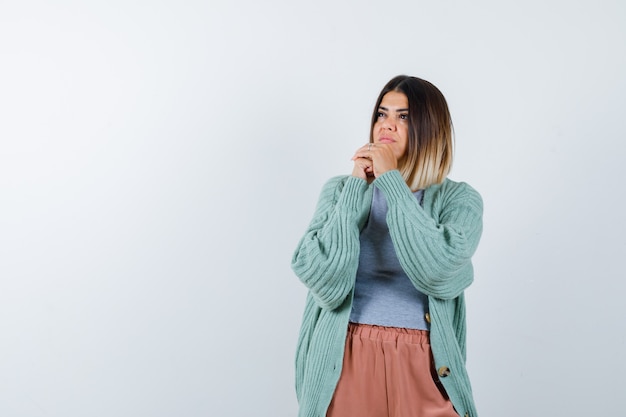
(397, 110)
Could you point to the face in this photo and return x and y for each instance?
(392, 122)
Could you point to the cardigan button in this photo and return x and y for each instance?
(443, 372)
(427, 317)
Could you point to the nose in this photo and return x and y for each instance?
(389, 123)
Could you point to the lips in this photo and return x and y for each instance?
(386, 140)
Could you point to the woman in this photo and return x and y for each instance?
(386, 259)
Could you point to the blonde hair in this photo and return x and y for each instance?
(428, 158)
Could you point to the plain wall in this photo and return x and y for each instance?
(159, 161)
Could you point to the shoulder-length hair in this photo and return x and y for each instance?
(428, 157)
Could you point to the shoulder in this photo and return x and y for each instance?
(452, 191)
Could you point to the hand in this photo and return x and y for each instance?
(363, 169)
(377, 157)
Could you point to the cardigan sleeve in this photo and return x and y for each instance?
(435, 251)
(326, 258)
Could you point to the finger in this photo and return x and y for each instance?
(364, 162)
(362, 168)
(364, 153)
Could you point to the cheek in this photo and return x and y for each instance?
(404, 143)
(405, 137)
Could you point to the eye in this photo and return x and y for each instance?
(404, 116)
(380, 114)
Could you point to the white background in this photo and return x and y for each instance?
(159, 161)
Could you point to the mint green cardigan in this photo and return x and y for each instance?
(434, 244)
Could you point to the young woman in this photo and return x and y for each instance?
(386, 259)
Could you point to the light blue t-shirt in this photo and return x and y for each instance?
(383, 293)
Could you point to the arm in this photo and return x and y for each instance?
(435, 252)
(326, 258)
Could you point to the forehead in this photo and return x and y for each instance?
(395, 100)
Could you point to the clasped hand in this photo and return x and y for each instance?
(373, 160)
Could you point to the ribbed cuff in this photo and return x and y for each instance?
(352, 193)
(392, 184)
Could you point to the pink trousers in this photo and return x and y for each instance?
(388, 372)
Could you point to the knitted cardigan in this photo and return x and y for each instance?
(434, 244)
